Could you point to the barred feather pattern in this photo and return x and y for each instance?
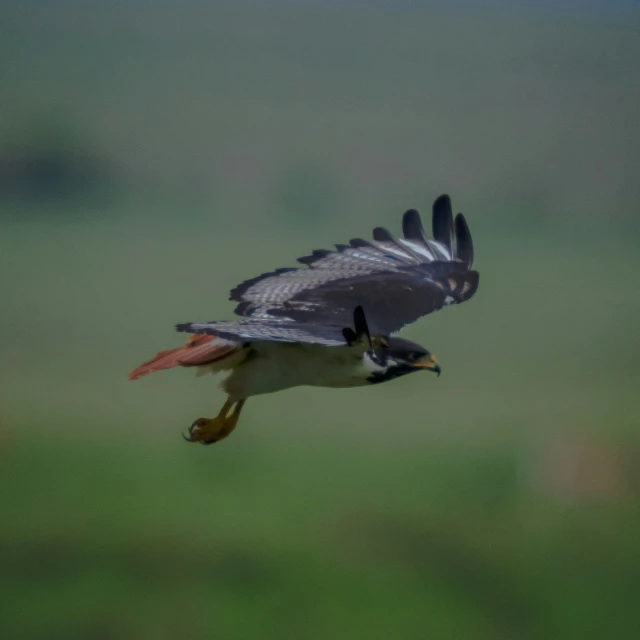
(268, 330)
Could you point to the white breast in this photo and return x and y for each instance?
(275, 366)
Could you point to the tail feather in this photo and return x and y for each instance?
(200, 350)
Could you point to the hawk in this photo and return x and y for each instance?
(330, 323)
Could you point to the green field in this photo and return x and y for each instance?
(277, 540)
(498, 501)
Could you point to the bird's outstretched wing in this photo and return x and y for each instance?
(395, 280)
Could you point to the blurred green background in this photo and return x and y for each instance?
(154, 155)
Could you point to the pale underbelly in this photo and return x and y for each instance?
(286, 368)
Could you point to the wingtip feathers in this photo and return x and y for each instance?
(464, 243)
(442, 221)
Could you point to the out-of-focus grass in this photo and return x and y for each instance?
(273, 539)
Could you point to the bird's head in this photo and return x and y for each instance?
(397, 357)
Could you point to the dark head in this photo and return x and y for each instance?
(397, 357)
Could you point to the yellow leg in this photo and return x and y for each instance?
(210, 430)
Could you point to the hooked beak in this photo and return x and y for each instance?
(428, 362)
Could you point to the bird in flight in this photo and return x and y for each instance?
(330, 323)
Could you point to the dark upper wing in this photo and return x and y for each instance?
(396, 280)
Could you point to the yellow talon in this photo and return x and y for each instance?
(210, 430)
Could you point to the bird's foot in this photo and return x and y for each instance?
(210, 430)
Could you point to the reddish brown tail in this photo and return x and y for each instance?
(200, 350)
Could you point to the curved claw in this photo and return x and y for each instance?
(211, 430)
(192, 434)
